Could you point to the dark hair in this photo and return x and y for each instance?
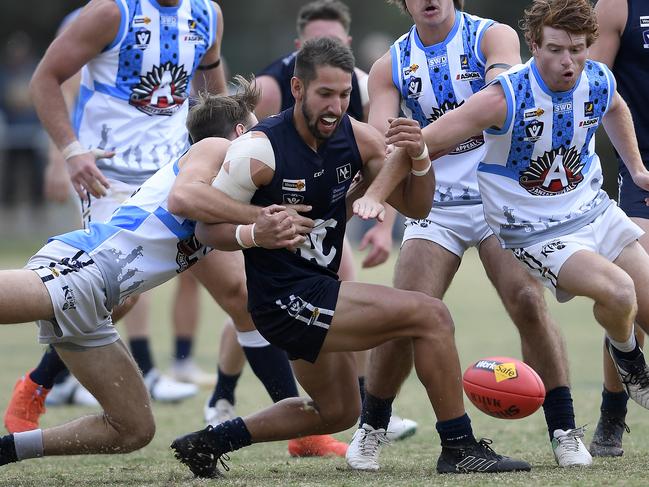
(323, 51)
(573, 16)
(323, 10)
(217, 115)
(459, 4)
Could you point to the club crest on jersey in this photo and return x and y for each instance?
(645, 37)
(140, 19)
(464, 61)
(296, 305)
(142, 39)
(414, 87)
(344, 172)
(412, 69)
(533, 131)
(556, 172)
(294, 185)
(161, 91)
(589, 108)
(293, 199)
(533, 113)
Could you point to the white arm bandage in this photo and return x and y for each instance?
(234, 178)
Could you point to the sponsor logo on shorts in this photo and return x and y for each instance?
(344, 173)
(294, 185)
(551, 247)
(70, 300)
(314, 316)
(296, 306)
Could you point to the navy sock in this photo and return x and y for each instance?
(632, 355)
(456, 431)
(270, 364)
(7, 450)
(183, 347)
(225, 386)
(229, 436)
(141, 354)
(558, 410)
(61, 376)
(361, 387)
(614, 403)
(376, 411)
(47, 369)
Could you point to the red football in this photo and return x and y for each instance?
(503, 387)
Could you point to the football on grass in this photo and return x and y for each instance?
(503, 387)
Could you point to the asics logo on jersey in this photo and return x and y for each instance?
(161, 91)
(555, 172)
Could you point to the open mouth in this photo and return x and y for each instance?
(328, 121)
(431, 9)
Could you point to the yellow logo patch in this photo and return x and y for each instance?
(505, 371)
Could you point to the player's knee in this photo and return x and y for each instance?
(434, 318)
(526, 304)
(621, 295)
(134, 431)
(340, 415)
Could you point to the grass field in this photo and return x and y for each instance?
(482, 329)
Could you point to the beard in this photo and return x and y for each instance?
(312, 122)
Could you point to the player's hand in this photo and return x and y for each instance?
(303, 225)
(274, 229)
(379, 240)
(85, 175)
(406, 133)
(367, 208)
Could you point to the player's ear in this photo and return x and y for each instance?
(297, 88)
(535, 48)
(239, 129)
(298, 43)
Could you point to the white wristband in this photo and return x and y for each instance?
(237, 235)
(73, 149)
(423, 155)
(252, 235)
(423, 172)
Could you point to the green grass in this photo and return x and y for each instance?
(482, 329)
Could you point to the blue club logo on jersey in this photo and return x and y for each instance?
(161, 91)
(556, 172)
(142, 39)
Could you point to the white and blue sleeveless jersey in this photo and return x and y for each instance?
(133, 96)
(143, 244)
(435, 79)
(540, 177)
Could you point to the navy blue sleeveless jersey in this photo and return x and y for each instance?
(302, 176)
(631, 70)
(282, 72)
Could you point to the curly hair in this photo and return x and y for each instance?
(459, 4)
(573, 16)
(217, 115)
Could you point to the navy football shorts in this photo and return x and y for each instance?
(299, 321)
(631, 197)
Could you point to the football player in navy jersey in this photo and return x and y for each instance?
(540, 178)
(310, 153)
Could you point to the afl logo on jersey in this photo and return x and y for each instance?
(161, 91)
(555, 172)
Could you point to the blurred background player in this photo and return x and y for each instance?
(623, 45)
(320, 18)
(132, 103)
(446, 57)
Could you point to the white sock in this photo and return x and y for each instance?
(627, 346)
(29, 444)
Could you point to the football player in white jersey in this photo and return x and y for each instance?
(137, 58)
(72, 291)
(540, 177)
(446, 57)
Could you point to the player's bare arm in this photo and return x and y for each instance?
(413, 192)
(248, 165)
(619, 128)
(210, 75)
(501, 49)
(95, 28)
(611, 17)
(271, 97)
(193, 196)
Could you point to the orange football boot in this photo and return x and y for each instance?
(26, 406)
(316, 446)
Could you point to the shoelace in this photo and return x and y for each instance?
(371, 442)
(610, 423)
(569, 440)
(222, 458)
(489, 452)
(638, 375)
